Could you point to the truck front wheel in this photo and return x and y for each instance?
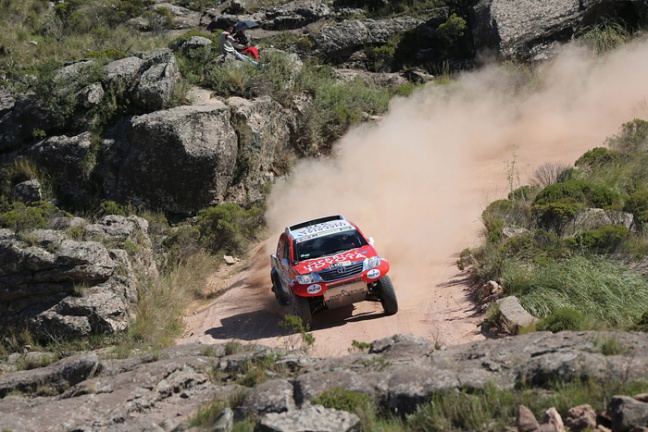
(387, 295)
(301, 308)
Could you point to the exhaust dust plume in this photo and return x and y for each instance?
(418, 180)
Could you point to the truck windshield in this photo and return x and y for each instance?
(327, 245)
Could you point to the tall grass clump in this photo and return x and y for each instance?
(495, 409)
(606, 36)
(163, 300)
(605, 291)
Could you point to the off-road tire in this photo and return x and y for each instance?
(278, 290)
(387, 295)
(301, 308)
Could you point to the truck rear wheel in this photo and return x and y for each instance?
(301, 308)
(387, 295)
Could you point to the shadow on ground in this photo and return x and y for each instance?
(263, 324)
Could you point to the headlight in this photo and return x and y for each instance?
(307, 278)
(371, 262)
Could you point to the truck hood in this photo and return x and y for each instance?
(351, 256)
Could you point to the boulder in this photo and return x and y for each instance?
(531, 30)
(627, 413)
(513, 317)
(581, 417)
(28, 192)
(263, 127)
(69, 162)
(341, 39)
(296, 14)
(312, 418)
(179, 160)
(274, 396)
(28, 115)
(158, 79)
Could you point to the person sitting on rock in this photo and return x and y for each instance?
(230, 46)
(249, 50)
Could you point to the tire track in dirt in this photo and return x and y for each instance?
(417, 182)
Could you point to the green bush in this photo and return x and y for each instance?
(112, 208)
(579, 192)
(637, 204)
(342, 400)
(604, 239)
(524, 193)
(22, 217)
(563, 319)
(557, 204)
(633, 137)
(597, 157)
(229, 227)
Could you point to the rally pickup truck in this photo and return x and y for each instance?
(328, 263)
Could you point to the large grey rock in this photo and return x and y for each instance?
(296, 14)
(313, 418)
(274, 396)
(341, 39)
(627, 413)
(29, 114)
(28, 192)
(264, 130)
(159, 78)
(595, 218)
(530, 30)
(513, 317)
(178, 160)
(7, 102)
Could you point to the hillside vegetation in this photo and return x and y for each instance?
(575, 267)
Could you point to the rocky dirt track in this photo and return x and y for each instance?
(417, 181)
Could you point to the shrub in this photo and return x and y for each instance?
(637, 204)
(597, 157)
(524, 193)
(229, 227)
(563, 319)
(633, 137)
(604, 239)
(342, 399)
(23, 217)
(558, 203)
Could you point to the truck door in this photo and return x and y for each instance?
(283, 255)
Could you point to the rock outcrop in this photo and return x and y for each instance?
(163, 391)
(63, 288)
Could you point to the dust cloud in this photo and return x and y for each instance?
(418, 179)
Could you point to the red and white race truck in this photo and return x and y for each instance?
(327, 263)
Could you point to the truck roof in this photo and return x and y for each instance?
(319, 227)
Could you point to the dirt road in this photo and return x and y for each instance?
(417, 182)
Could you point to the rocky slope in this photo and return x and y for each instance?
(164, 390)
